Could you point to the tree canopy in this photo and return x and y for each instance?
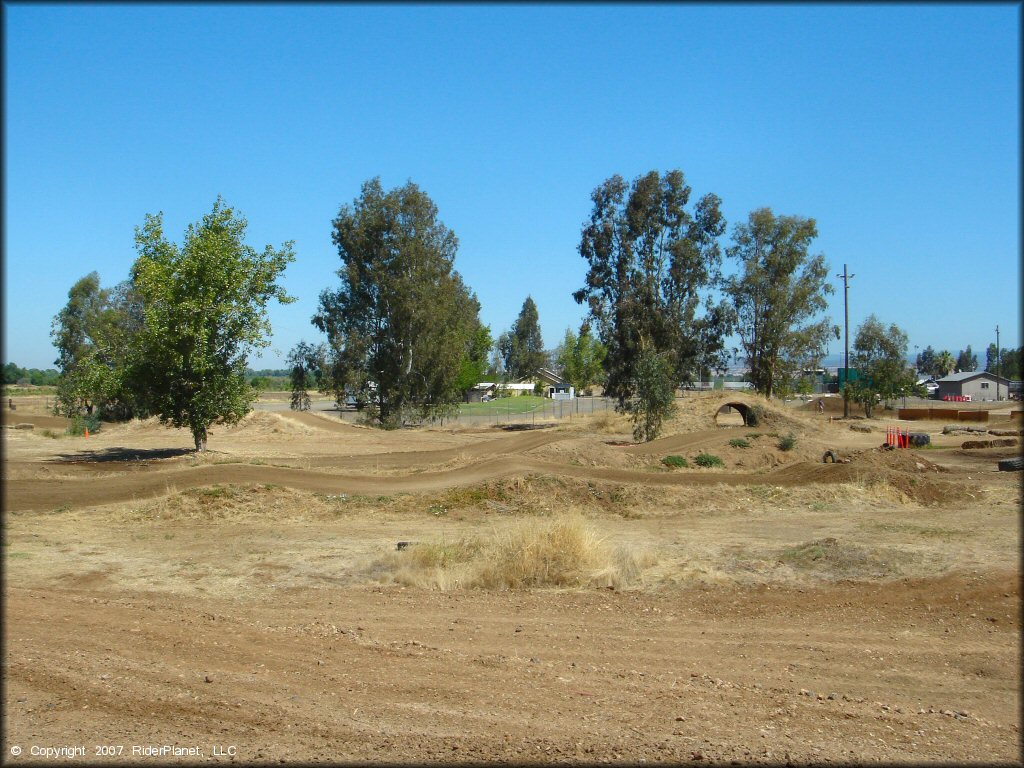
(925, 362)
(779, 291)
(203, 311)
(580, 359)
(1009, 362)
(402, 322)
(967, 361)
(92, 334)
(651, 265)
(522, 349)
(880, 355)
(945, 363)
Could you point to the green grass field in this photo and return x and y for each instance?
(521, 404)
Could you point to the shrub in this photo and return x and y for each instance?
(675, 461)
(708, 460)
(80, 423)
(787, 443)
(739, 442)
(754, 415)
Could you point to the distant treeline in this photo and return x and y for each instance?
(269, 379)
(15, 375)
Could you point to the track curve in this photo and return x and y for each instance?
(28, 495)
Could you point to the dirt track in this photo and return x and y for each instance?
(784, 610)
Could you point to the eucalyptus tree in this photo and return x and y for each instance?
(967, 361)
(652, 265)
(402, 321)
(778, 293)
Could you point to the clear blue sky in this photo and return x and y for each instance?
(896, 128)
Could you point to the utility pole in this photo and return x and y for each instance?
(998, 366)
(846, 323)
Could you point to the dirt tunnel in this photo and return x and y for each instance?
(732, 415)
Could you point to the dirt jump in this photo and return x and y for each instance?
(560, 595)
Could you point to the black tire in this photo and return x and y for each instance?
(829, 458)
(1012, 465)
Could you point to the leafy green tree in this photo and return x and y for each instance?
(779, 290)
(475, 360)
(12, 373)
(580, 359)
(651, 267)
(967, 361)
(991, 356)
(204, 310)
(522, 348)
(92, 334)
(880, 355)
(654, 394)
(1013, 363)
(925, 362)
(945, 363)
(1008, 362)
(399, 326)
(307, 363)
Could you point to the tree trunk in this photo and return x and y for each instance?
(199, 434)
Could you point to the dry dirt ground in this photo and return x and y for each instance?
(251, 603)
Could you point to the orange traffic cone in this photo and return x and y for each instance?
(86, 431)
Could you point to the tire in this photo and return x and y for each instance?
(829, 458)
(1012, 465)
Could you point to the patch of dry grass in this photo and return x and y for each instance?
(563, 551)
(607, 422)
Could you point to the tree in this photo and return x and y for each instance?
(651, 267)
(475, 359)
(92, 334)
(880, 357)
(204, 310)
(945, 363)
(991, 358)
(777, 293)
(1008, 362)
(1013, 363)
(307, 364)
(13, 375)
(580, 359)
(399, 326)
(654, 399)
(967, 361)
(522, 348)
(925, 362)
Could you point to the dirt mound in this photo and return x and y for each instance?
(898, 459)
(913, 477)
(696, 412)
(263, 423)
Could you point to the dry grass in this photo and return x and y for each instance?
(607, 422)
(562, 551)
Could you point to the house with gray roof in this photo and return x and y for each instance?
(978, 385)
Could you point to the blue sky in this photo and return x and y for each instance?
(896, 128)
